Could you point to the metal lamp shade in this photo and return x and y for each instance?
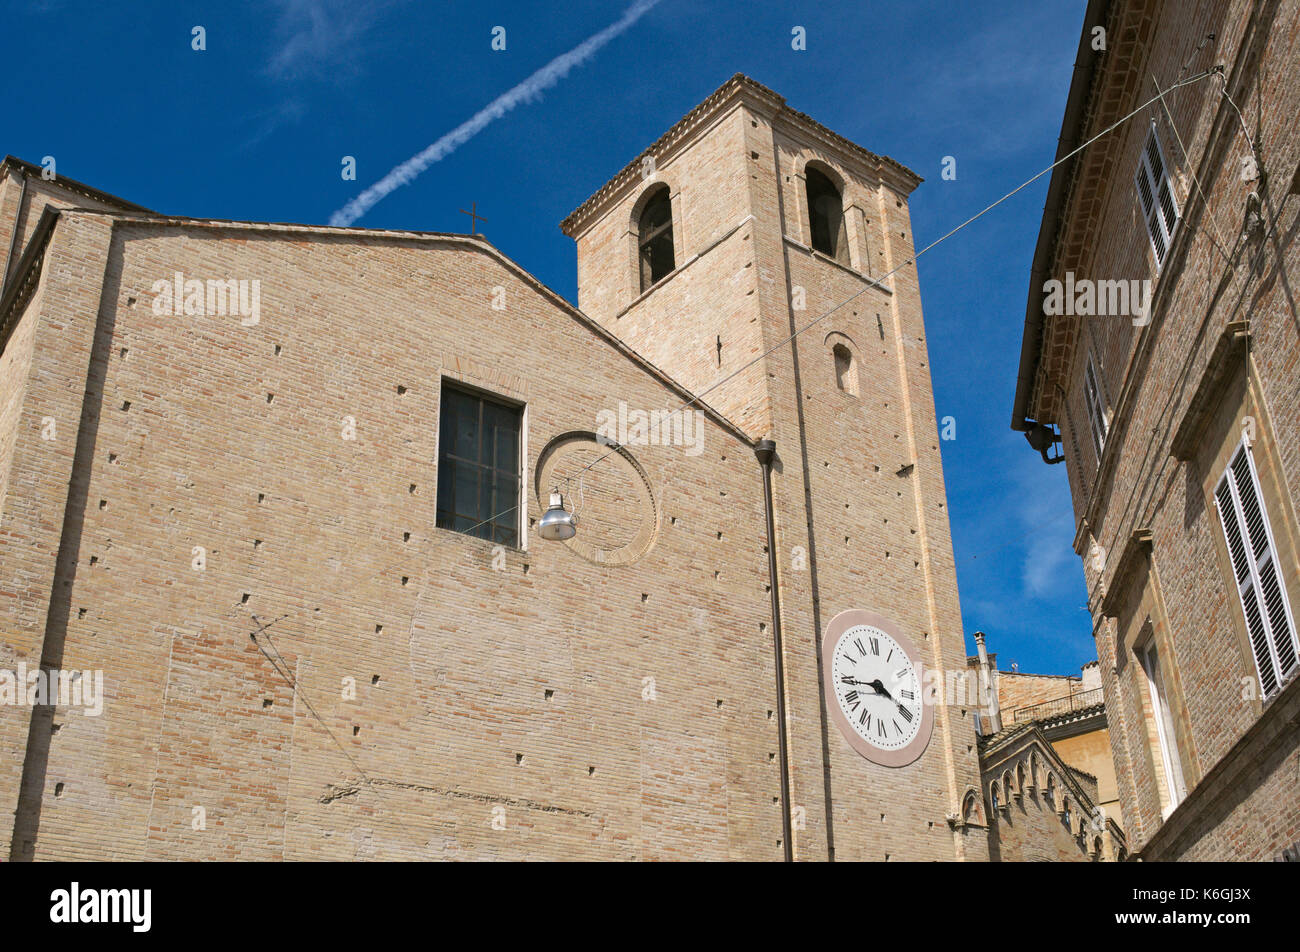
(557, 523)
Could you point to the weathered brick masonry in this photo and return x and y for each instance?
(1219, 360)
(547, 701)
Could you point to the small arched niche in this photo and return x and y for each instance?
(845, 362)
(846, 369)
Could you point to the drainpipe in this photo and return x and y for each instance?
(13, 237)
(988, 690)
(766, 451)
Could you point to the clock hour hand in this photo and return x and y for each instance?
(875, 685)
(879, 688)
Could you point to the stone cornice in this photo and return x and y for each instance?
(12, 164)
(1137, 547)
(1233, 344)
(27, 275)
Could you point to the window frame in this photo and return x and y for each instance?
(840, 252)
(645, 270)
(1166, 734)
(1095, 403)
(1254, 580)
(1145, 175)
(449, 383)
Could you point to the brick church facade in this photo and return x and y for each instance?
(293, 522)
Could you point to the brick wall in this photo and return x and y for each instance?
(860, 506)
(1212, 277)
(453, 658)
(542, 702)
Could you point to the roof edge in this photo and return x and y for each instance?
(1086, 64)
(738, 83)
(22, 166)
(472, 241)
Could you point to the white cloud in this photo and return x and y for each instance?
(527, 91)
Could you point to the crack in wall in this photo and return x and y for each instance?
(339, 791)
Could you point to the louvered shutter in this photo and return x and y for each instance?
(1269, 620)
(1096, 409)
(1155, 193)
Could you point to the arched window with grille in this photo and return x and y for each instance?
(826, 217)
(655, 238)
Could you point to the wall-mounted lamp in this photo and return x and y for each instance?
(1041, 437)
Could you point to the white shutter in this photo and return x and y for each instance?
(1156, 194)
(1269, 621)
(1096, 408)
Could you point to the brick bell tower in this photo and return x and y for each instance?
(743, 223)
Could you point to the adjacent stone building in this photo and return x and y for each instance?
(278, 486)
(1162, 339)
(1049, 781)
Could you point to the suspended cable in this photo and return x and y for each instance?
(876, 282)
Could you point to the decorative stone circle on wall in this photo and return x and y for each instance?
(618, 518)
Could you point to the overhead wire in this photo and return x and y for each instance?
(876, 282)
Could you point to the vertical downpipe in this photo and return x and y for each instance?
(766, 451)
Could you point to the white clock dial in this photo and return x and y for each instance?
(876, 685)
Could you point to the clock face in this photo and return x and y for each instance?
(873, 684)
(877, 687)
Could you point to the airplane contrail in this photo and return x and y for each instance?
(529, 89)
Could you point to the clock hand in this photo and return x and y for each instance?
(876, 686)
(879, 688)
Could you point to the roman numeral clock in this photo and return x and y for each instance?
(872, 675)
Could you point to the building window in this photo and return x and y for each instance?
(1155, 192)
(846, 369)
(1263, 598)
(826, 217)
(656, 238)
(1092, 397)
(1170, 761)
(479, 474)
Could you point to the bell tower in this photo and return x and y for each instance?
(743, 224)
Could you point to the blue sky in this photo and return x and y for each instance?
(255, 126)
